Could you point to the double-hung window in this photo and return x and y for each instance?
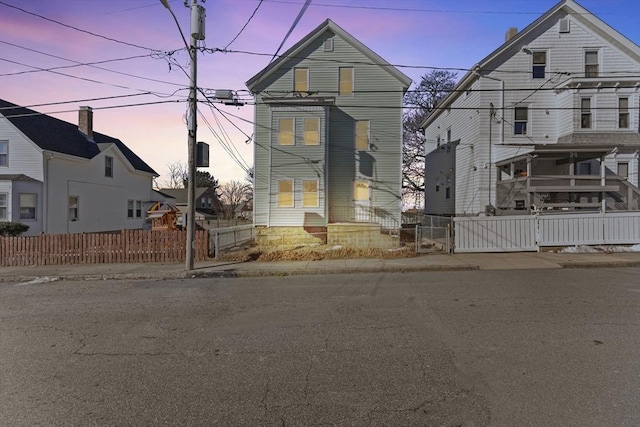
(591, 67)
(134, 209)
(285, 132)
(74, 208)
(585, 113)
(520, 120)
(362, 135)
(4, 153)
(623, 113)
(285, 193)
(539, 64)
(345, 81)
(310, 193)
(3, 206)
(300, 79)
(311, 131)
(108, 166)
(28, 206)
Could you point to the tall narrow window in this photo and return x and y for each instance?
(362, 135)
(520, 120)
(447, 190)
(73, 208)
(108, 166)
(361, 191)
(346, 81)
(3, 206)
(438, 142)
(585, 113)
(623, 113)
(539, 65)
(623, 169)
(591, 66)
(437, 184)
(4, 153)
(285, 193)
(449, 135)
(138, 209)
(285, 132)
(328, 45)
(312, 131)
(28, 205)
(130, 209)
(310, 193)
(301, 79)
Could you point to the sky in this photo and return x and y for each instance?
(136, 71)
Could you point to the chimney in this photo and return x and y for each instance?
(85, 121)
(510, 33)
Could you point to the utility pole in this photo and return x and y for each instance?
(197, 16)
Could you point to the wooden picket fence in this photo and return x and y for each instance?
(126, 246)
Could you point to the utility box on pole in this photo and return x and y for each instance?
(202, 155)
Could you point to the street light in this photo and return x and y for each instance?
(197, 33)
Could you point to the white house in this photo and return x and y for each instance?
(548, 121)
(57, 177)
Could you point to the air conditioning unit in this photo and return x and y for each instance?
(563, 25)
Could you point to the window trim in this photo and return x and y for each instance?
(624, 113)
(279, 201)
(35, 207)
(71, 208)
(4, 207)
(626, 165)
(4, 155)
(356, 192)
(281, 134)
(340, 82)
(539, 65)
(523, 129)
(306, 132)
(316, 193)
(356, 135)
(328, 44)
(295, 80)
(586, 112)
(108, 166)
(134, 209)
(587, 73)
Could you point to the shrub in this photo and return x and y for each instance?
(8, 228)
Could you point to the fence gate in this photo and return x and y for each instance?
(434, 235)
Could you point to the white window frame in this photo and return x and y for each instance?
(297, 82)
(292, 133)
(518, 129)
(543, 65)
(586, 112)
(328, 44)
(356, 135)
(134, 209)
(34, 207)
(624, 113)
(74, 208)
(4, 153)
(308, 133)
(4, 206)
(619, 169)
(340, 81)
(592, 73)
(280, 202)
(108, 166)
(315, 194)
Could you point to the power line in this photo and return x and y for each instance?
(35, 113)
(291, 28)
(78, 29)
(76, 101)
(245, 25)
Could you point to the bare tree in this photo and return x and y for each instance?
(232, 194)
(178, 174)
(433, 87)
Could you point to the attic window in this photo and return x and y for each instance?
(328, 45)
(564, 25)
(108, 166)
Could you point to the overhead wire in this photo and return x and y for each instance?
(245, 25)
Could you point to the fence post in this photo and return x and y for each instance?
(216, 243)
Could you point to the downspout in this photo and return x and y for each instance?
(46, 156)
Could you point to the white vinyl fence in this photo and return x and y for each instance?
(223, 239)
(530, 233)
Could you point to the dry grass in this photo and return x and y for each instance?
(313, 253)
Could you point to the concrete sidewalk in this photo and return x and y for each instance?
(431, 262)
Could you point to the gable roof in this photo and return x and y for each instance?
(328, 25)
(180, 194)
(570, 7)
(56, 135)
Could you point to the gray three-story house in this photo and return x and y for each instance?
(328, 140)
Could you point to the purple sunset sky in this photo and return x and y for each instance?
(414, 33)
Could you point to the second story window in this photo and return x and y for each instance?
(108, 166)
(301, 79)
(285, 132)
(346, 81)
(539, 65)
(585, 113)
(4, 153)
(591, 66)
(623, 169)
(623, 113)
(520, 120)
(362, 135)
(312, 131)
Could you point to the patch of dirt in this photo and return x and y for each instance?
(312, 253)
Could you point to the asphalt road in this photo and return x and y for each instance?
(475, 348)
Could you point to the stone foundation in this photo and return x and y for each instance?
(286, 236)
(349, 235)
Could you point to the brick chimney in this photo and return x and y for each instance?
(510, 33)
(85, 121)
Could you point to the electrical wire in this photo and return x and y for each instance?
(291, 28)
(245, 25)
